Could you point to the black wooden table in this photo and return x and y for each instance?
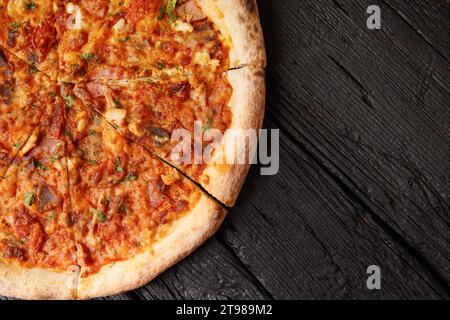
(364, 173)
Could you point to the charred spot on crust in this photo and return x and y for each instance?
(260, 73)
(250, 5)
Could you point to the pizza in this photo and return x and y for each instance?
(115, 123)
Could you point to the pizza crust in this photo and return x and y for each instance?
(224, 181)
(38, 284)
(181, 238)
(238, 21)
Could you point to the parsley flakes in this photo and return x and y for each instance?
(31, 5)
(100, 216)
(87, 56)
(15, 27)
(118, 165)
(39, 165)
(69, 101)
(117, 103)
(169, 10)
(28, 198)
(131, 177)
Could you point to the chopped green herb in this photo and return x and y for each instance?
(54, 158)
(87, 56)
(52, 216)
(161, 65)
(31, 6)
(69, 101)
(117, 103)
(28, 198)
(100, 215)
(170, 9)
(93, 162)
(17, 145)
(131, 177)
(52, 95)
(207, 125)
(15, 27)
(33, 69)
(162, 12)
(39, 165)
(118, 165)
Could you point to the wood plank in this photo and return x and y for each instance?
(304, 237)
(372, 111)
(124, 296)
(428, 18)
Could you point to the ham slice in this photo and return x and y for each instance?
(189, 11)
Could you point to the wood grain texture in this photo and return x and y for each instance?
(372, 108)
(364, 172)
(316, 241)
(427, 18)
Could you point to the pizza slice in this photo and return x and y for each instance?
(21, 85)
(104, 40)
(37, 244)
(218, 115)
(134, 216)
(27, 28)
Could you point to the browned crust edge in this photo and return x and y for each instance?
(182, 238)
(224, 182)
(239, 23)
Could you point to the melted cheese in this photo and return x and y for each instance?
(181, 26)
(112, 140)
(119, 26)
(171, 177)
(75, 22)
(30, 144)
(116, 116)
(136, 129)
